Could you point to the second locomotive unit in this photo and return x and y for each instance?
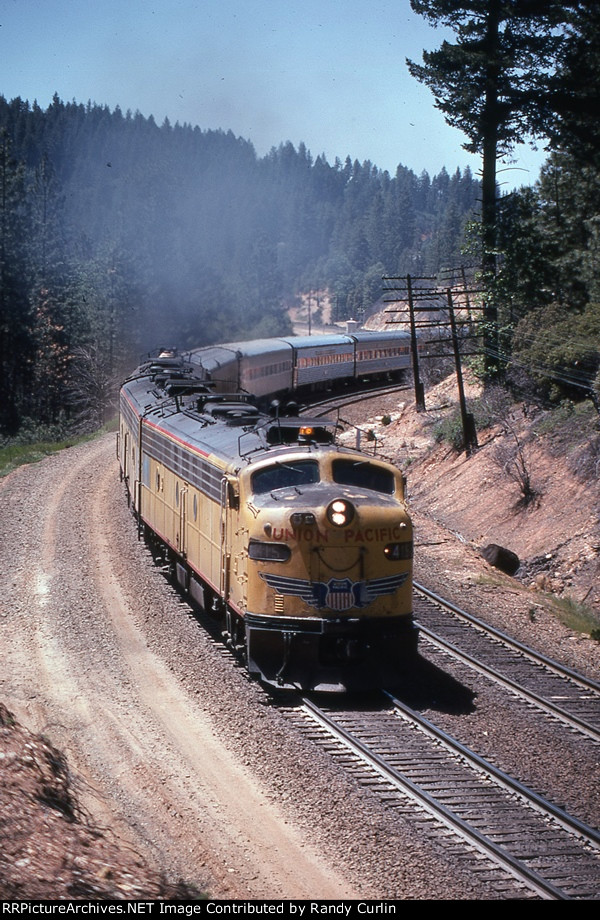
(303, 547)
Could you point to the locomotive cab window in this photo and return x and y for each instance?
(285, 476)
(365, 475)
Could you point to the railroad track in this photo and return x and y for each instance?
(342, 400)
(525, 845)
(522, 845)
(561, 693)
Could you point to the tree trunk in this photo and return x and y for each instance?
(490, 121)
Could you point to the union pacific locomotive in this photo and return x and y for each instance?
(302, 547)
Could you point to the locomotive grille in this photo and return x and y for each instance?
(205, 477)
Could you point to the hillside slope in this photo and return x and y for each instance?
(556, 533)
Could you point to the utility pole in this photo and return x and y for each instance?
(419, 387)
(426, 307)
(467, 419)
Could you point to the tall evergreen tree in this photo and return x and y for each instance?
(575, 96)
(15, 311)
(493, 82)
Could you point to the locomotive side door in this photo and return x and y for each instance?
(225, 528)
(181, 523)
(234, 552)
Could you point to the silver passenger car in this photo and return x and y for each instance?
(322, 358)
(261, 367)
(381, 352)
(269, 367)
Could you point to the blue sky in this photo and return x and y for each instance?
(330, 74)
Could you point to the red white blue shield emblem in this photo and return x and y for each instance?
(340, 594)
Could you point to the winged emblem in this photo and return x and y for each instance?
(337, 593)
(381, 586)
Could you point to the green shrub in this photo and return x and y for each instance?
(559, 349)
(24, 448)
(576, 616)
(450, 430)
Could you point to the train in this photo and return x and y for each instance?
(300, 364)
(299, 546)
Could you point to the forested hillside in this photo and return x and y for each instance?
(118, 235)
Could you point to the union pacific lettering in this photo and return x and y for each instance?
(304, 535)
(351, 535)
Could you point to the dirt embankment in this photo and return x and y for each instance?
(88, 636)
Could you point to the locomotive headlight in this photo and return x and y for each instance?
(340, 513)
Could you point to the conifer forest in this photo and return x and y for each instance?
(119, 235)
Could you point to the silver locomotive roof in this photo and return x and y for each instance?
(171, 399)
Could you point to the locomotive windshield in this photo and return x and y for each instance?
(285, 476)
(365, 475)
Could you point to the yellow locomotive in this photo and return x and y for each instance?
(302, 547)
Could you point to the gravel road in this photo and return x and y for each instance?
(174, 748)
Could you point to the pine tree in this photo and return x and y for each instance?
(15, 310)
(494, 82)
(575, 96)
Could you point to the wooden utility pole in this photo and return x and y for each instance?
(419, 388)
(467, 419)
(425, 305)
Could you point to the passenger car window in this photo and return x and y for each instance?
(365, 475)
(285, 475)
